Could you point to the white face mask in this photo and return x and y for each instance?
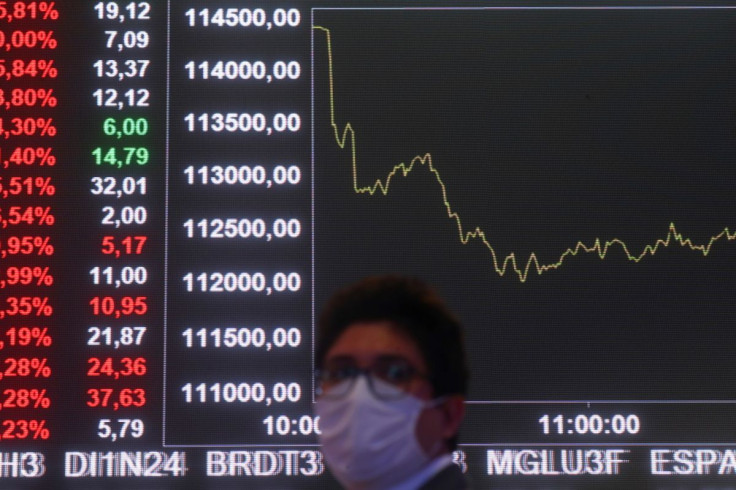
(371, 443)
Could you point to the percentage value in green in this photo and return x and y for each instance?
(121, 157)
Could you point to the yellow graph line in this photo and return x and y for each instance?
(500, 265)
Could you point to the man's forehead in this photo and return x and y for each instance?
(366, 342)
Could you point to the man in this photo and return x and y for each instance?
(391, 383)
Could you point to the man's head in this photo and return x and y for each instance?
(401, 330)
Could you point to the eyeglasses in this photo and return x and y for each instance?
(389, 378)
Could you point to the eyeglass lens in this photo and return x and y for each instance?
(388, 377)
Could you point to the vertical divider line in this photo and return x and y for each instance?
(166, 215)
(311, 38)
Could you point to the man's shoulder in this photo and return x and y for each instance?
(450, 478)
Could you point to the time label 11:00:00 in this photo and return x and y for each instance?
(617, 424)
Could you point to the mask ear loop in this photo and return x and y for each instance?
(436, 402)
(429, 404)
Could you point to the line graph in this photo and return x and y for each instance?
(565, 178)
(346, 138)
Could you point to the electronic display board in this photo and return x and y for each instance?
(183, 184)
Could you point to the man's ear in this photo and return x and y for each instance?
(453, 411)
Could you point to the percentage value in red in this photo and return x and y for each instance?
(26, 215)
(26, 276)
(24, 429)
(28, 39)
(27, 336)
(23, 398)
(29, 156)
(26, 245)
(29, 10)
(30, 97)
(26, 186)
(28, 68)
(25, 367)
(110, 397)
(27, 306)
(28, 126)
